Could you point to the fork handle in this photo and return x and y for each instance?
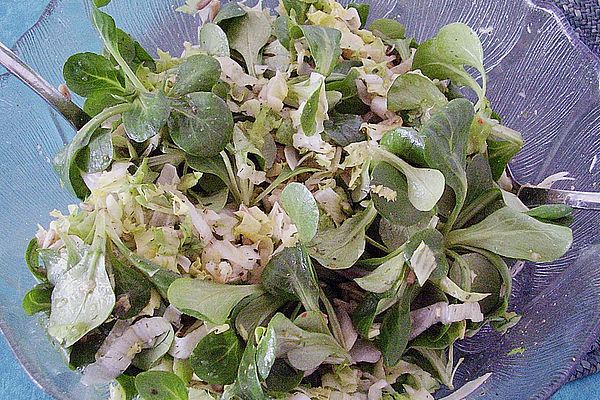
(533, 196)
(72, 113)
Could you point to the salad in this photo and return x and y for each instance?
(305, 204)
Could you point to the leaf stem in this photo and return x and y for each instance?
(99, 119)
(234, 184)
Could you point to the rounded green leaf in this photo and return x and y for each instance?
(160, 385)
(148, 115)
(197, 73)
(299, 203)
(216, 358)
(203, 126)
(87, 74)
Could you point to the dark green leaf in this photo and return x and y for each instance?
(551, 211)
(341, 247)
(132, 289)
(363, 12)
(364, 315)
(446, 135)
(299, 8)
(406, 143)
(399, 211)
(32, 259)
(160, 385)
(265, 352)
(212, 165)
(435, 241)
(500, 152)
(324, 44)
(96, 103)
(350, 103)
(247, 376)
(387, 28)
(149, 114)
(283, 378)
(198, 73)
(281, 30)
(132, 52)
(444, 57)
(216, 358)
(256, 312)
(98, 154)
(127, 382)
(213, 40)
(105, 25)
(101, 3)
(89, 74)
(512, 234)
(206, 300)
(248, 34)
(290, 275)
(83, 352)
(160, 277)
(413, 91)
(344, 129)
(300, 205)
(37, 299)
(436, 341)
(229, 11)
(395, 330)
(479, 178)
(203, 126)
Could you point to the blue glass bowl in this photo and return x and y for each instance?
(543, 82)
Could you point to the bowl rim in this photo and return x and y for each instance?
(546, 6)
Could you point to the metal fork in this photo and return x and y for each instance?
(533, 196)
(69, 110)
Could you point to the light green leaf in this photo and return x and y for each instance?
(425, 186)
(37, 299)
(449, 287)
(423, 263)
(446, 136)
(503, 144)
(340, 248)
(399, 211)
(413, 91)
(83, 296)
(445, 56)
(384, 277)
(160, 385)
(203, 126)
(206, 300)
(387, 28)
(213, 40)
(305, 350)
(324, 44)
(216, 357)
(248, 34)
(434, 241)
(198, 73)
(98, 154)
(513, 234)
(105, 25)
(89, 74)
(265, 352)
(300, 205)
(149, 114)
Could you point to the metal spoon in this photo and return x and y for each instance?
(534, 196)
(69, 110)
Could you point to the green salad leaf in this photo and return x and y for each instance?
(198, 73)
(213, 40)
(445, 136)
(445, 56)
(216, 357)
(89, 74)
(513, 234)
(299, 203)
(208, 301)
(202, 125)
(148, 115)
(413, 91)
(324, 44)
(37, 299)
(160, 385)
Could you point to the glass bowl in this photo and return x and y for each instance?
(543, 82)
